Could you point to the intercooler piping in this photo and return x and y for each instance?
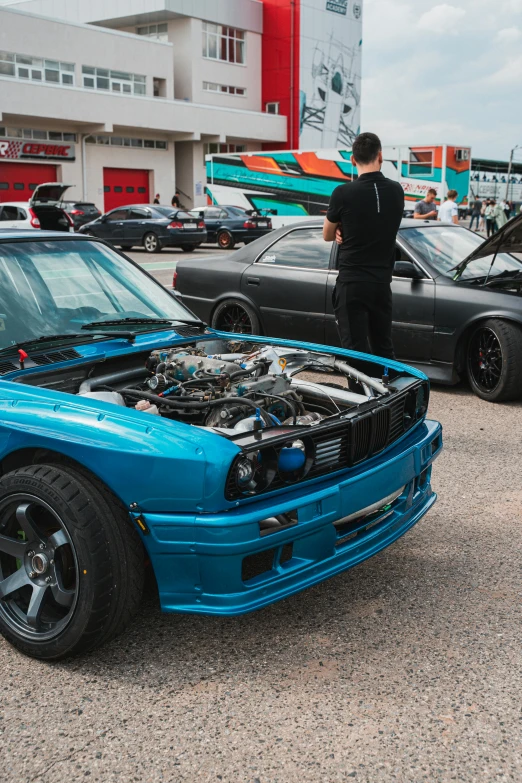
(363, 379)
(107, 380)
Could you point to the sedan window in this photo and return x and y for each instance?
(304, 247)
(118, 214)
(139, 214)
(10, 213)
(213, 214)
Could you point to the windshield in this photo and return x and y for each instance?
(444, 247)
(55, 287)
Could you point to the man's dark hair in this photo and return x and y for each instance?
(432, 190)
(366, 147)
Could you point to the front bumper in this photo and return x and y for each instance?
(199, 560)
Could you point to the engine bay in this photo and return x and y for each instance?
(219, 385)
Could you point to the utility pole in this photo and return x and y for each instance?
(509, 169)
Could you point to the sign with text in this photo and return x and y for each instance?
(337, 6)
(11, 149)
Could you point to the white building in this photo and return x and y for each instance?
(123, 98)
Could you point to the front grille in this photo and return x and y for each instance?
(55, 356)
(336, 446)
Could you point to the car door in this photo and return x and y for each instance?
(213, 219)
(135, 225)
(287, 282)
(111, 227)
(413, 311)
(12, 217)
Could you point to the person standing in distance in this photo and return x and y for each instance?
(426, 209)
(175, 200)
(449, 211)
(156, 199)
(364, 217)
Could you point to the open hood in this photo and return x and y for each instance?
(49, 193)
(507, 240)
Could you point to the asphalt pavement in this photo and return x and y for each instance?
(406, 668)
(162, 265)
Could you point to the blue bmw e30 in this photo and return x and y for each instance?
(243, 469)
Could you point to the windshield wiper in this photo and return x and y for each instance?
(144, 320)
(56, 337)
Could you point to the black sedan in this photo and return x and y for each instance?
(149, 226)
(229, 225)
(81, 212)
(457, 303)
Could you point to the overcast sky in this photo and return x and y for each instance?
(444, 72)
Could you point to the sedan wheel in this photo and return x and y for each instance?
(225, 240)
(71, 564)
(151, 243)
(495, 361)
(236, 317)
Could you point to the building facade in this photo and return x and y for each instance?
(123, 100)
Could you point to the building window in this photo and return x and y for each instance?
(125, 141)
(40, 135)
(420, 163)
(272, 108)
(213, 87)
(157, 31)
(225, 149)
(223, 43)
(36, 69)
(113, 81)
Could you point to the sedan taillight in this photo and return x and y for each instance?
(201, 224)
(176, 224)
(77, 212)
(249, 224)
(34, 220)
(174, 278)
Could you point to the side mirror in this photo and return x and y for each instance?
(103, 218)
(407, 270)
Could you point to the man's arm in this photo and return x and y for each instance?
(329, 230)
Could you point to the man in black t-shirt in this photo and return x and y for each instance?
(364, 217)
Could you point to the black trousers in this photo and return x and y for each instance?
(363, 312)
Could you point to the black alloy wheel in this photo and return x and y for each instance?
(151, 243)
(225, 240)
(71, 562)
(495, 361)
(236, 317)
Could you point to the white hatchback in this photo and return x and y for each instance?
(42, 211)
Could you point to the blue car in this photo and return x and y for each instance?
(229, 225)
(238, 469)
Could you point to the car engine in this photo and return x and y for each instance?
(209, 385)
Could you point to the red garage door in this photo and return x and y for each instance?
(125, 186)
(18, 180)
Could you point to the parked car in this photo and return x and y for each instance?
(229, 225)
(457, 306)
(43, 210)
(131, 433)
(81, 212)
(149, 226)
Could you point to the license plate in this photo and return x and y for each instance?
(262, 223)
(190, 225)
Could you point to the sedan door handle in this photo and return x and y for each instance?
(253, 281)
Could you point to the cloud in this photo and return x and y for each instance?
(508, 35)
(509, 75)
(442, 19)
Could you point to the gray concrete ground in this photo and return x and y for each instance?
(162, 265)
(406, 668)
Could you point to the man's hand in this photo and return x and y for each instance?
(329, 230)
(339, 235)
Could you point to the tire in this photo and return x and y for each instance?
(126, 248)
(494, 361)
(79, 559)
(225, 240)
(151, 243)
(235, 316)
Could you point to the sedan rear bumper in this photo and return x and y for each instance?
(225, 564)
(177, 238)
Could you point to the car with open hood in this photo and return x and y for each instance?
(457, 300)
(242, 469)
(44, 210)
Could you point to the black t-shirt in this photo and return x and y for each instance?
(370, 211)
